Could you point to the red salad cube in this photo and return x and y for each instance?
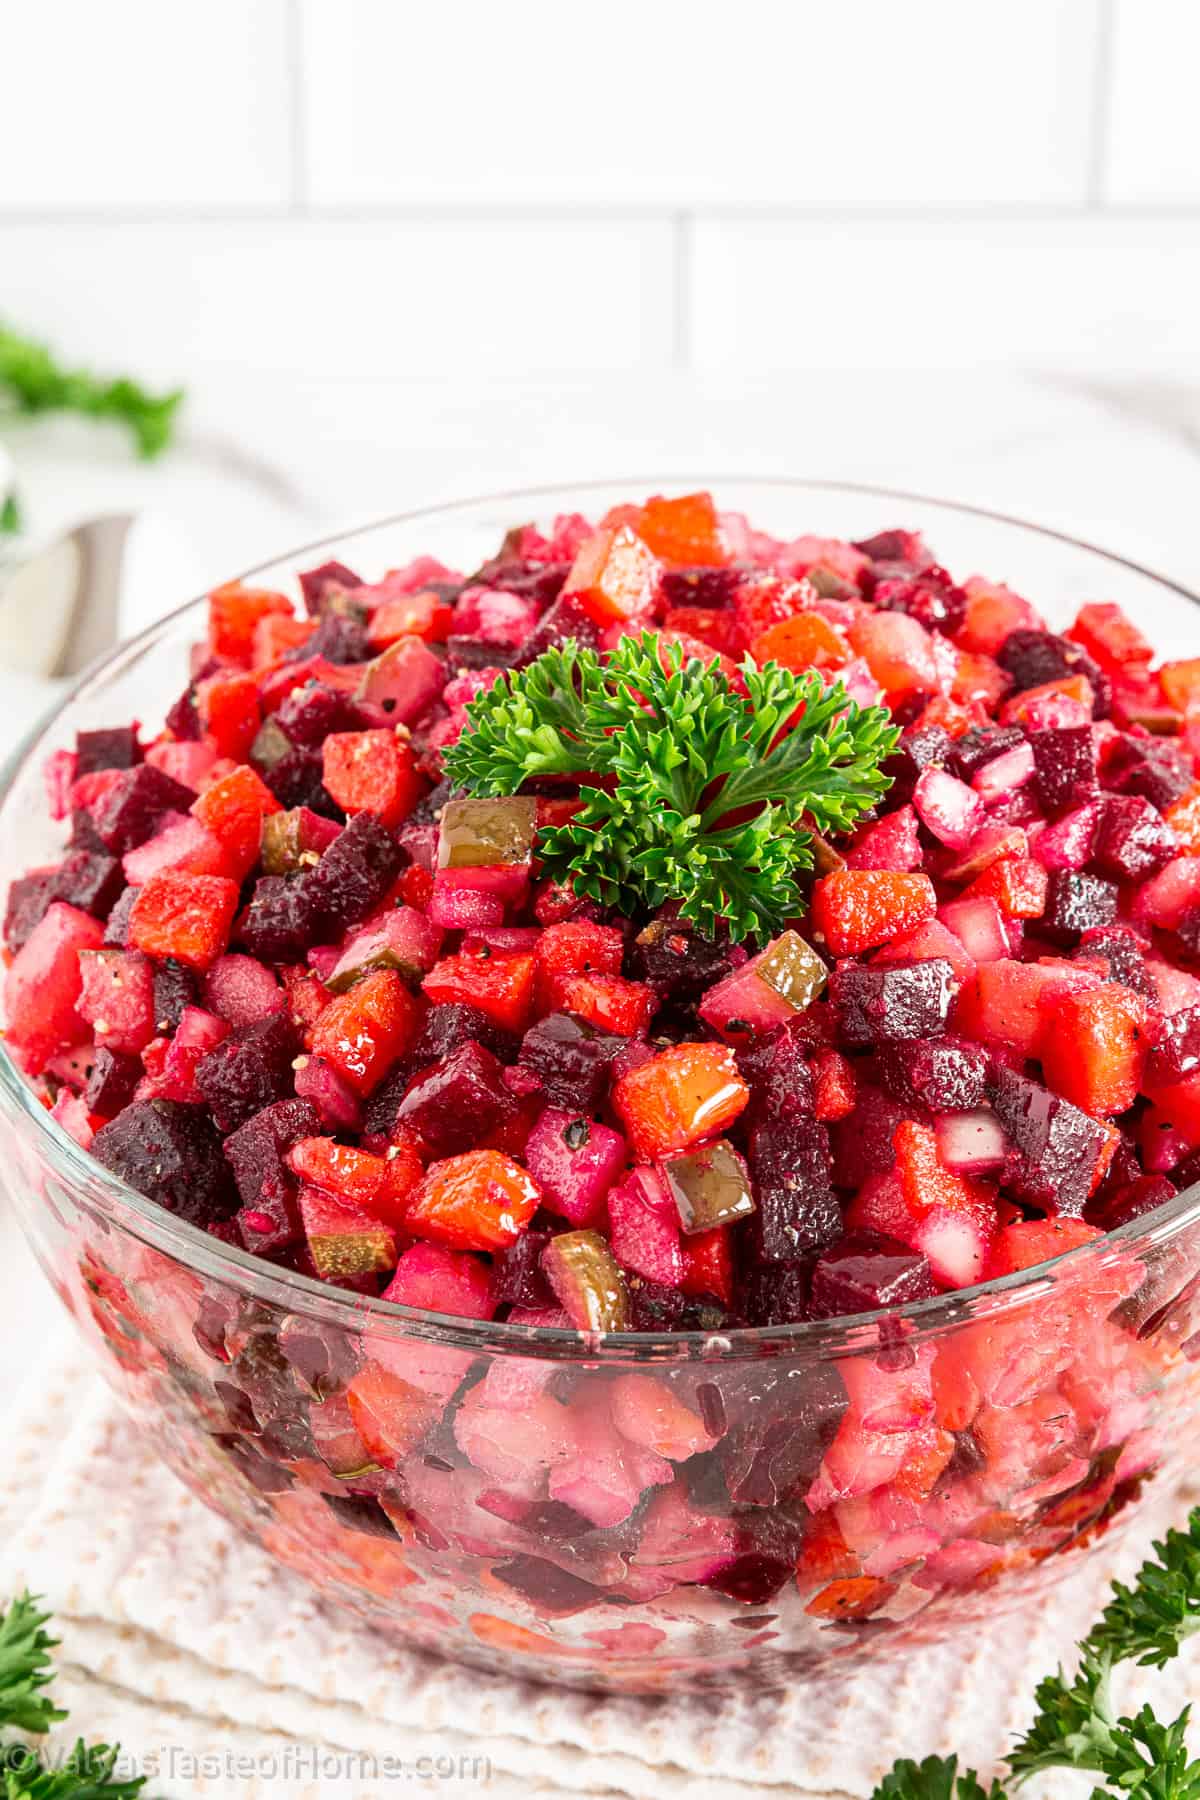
(856, 909)
(1094, 1047)
(234, 613)
(44, 983)
(685, 530)
(498, 984)
(680, 1097)
(229, 710)
(363, 1032)
(482, 1200)
(233, 808)
(372, 771)
(614, 576)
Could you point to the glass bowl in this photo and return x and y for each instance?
(644, 1512)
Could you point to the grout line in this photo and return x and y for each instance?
(681, 344)
(1101, 120)
(297, 116)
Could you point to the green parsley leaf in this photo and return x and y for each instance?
(937, 1778)
(24, 1661)
(1148, 1622)
(88, 1773)
(692, 792)
(33, 381)
(10, 514)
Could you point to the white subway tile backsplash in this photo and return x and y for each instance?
(863, 104)
(1153, 155)
(1086, 294)
(127, 104)
(355, 300)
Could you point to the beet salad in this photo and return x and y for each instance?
(664, 927)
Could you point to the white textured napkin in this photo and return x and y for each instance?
(221, 1674)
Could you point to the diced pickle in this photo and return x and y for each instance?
(587, 1282)
(352, 1253)
(792, 969)
(281, 849)
(479, 834)
(270, 746)
(709, 1187)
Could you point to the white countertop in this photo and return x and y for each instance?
(267, 464)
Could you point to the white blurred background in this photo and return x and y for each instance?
(398, 251)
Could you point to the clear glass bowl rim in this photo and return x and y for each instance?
(821, 1339)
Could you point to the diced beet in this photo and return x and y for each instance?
(457, 1103)
(1034, 658)
(863, 1142)
(447, 1028)
(1058, 1147)
(134, 807)
(775, 1293)
(340, 638)
(1067, 844)
(241, 990)
(312, 711)
(355, 873)
(797, 1211)
(1065, 759)
(1176, 1051)
(284, 918)
(892, 842)
(114, 748)
(875, 1004)
(1076, 903)
(1133, 839)
(270, 1218)
(982, 745)
(171, 1153)
(944, 1074)
(920, 748)
(779, 1434)
(948, 808)
(931, 598)
(679, 962)
(572, 1059)
(1143, 1195)
(1151, 767)
(85, 880)
(778, 1072)
(111, 1083)
(249, 1071)
(517, 1278)
(116, 930)
(319, 1082)
(318, 584)
(561, 623)
(1126, 954)
(644, 1228)
(298, 779)
(175, 989)
(29, 897)
(866, 1273)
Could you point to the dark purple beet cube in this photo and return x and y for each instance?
(653, 1307)
(921, 747)
(680, 962)
(517, 1278)
(464, 652)
(361, 1512)
(1034, 657)
(752, 1578)
(283, 920)
(319, 584)
(133, 809)
(84, 835)
(1056, 1146)
(341, 637)
(183, 717)
(171, 1153)
(1143, 1195)
(981, 745)
(1066, 766)
(29, 899)
(116, 748)
(175, 989)
(91, 882)
(704, 586)
(876, 1005)
(572, 1058)
(1133, 839)
(249, 1071)
(269, 1219)
(116, 931)
(943, 1074)
(356, 872)
(1077, 902)
(447, 1028)
(797, 1209)
(1149, 766)
(780, 1430)
(864, 1272)
(560, 624)
(774, 1293)
(312, 711)
(457, 1102)
(297, 778)
(1176, 1053)
(111, 1082)
(930, 597)
(777, 1070)
(1126, 954)
(548, 1588)
(906, 548)
(863, 1142)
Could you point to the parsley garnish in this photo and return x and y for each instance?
(692, 792)
(10, 514)
(88, 1773)
(1077, 1725)
(33, 381)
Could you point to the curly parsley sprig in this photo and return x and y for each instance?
(32, 380)
(1077, 1724)
(89, 1772)
(692, 791)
